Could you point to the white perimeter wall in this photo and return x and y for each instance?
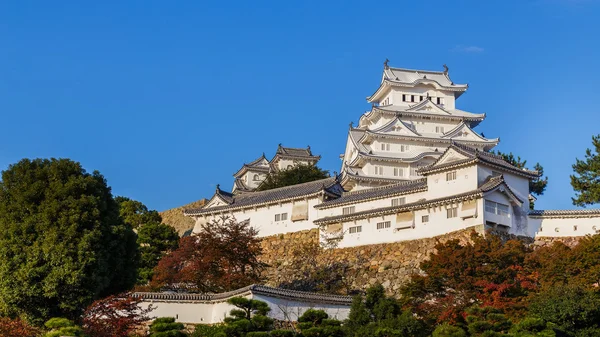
(567, 226)
(211, 312)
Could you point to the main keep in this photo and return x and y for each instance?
(413, 168)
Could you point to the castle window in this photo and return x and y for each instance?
(439, 100)
(403, 97)
(425, 218)
(385, 147)
(383, 225)
(256, 177)
(281, 217)
(496, 208)
(378, 170)
(412, 98)
(355, 229)
(439, 129)
(575, 228)
(398, 172)
(398, 201)
(404, 148)
(348, 210)
(451, 176)
(420, 98)
(452, 212)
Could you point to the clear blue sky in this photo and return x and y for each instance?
(169, 98)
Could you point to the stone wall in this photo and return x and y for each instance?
(570, 241)
(293, 256)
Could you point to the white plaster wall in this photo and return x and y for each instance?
(283, 309)
(368, 205)
(263, 218)
(211, 312)
(567, 226)
(249, 178)
(438, 224)
(466, 181)
(396, 95)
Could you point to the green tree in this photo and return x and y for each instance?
(316, 323)
(487, 322)
(203, 330)
(60, 327)
(536, 186)
(155, 241)
(298, 174)
(586, 180)
(166, 327)
(135, 213)
(62, 242)
(250, 317)
(379, 315)
(447, 330)
(534, 327)
(573, 308)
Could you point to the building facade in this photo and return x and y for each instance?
(413, 168)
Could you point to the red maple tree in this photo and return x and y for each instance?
(115, 316)
(17, 328)
(223, 256)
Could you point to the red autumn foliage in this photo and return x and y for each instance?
(115, 316)
(223, 256)
(17, 328)
(486, 271)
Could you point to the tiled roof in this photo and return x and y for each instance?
(413, 76)
(566, 213)
(293, 295)
(254, 165)
(400, 188)
(271, 196)
(294, 152)
(490, 184)
(474, 155)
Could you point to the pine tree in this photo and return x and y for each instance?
(586, 180)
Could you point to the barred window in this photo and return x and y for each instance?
(452, 212)
(398, 201)
(425, 218)
(451, 176)
(355, 229)
(496, 208)
(348, 210)
(384, 224)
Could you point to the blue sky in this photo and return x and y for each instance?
(169, 98)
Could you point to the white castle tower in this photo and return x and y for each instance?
(413, 120)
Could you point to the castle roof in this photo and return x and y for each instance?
(472, 156)
(570, 213)
(326, 186)
(419, 111)
(401, 188)
(260, 164)
(491, 184)
(401, 77)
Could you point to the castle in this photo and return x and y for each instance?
(413, 168)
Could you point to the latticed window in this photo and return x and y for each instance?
(452, 212)
(425, 218)
(398, 201)
(451, 176)
(281, 217)
(355, 229)
(398, 172)
(384, 224)
(496, 208)
(348, 210)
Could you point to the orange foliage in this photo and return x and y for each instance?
(17, 328)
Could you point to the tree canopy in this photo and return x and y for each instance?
(586, 177)
(62, 241)
(155, 240)
(298, 174)
(222, 256)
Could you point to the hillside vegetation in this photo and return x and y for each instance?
(174, 217)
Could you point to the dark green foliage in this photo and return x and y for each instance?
(282, 333)
(572, 308)
(379, 315)
(536, 186)
(447, 330)
(155, 240)
(62, 327)
(534, 327)
(166, 327)
(202, 330)
(62, 242)
(250, 316)
(136, 214)
(316, 323)
(586, 180)
(296, 175)
(487, 322)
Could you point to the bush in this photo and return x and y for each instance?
(282, 333)
(447, 330)
(203, 330)
(166, 327)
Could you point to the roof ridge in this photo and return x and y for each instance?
(379, 188)
(289, 187)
